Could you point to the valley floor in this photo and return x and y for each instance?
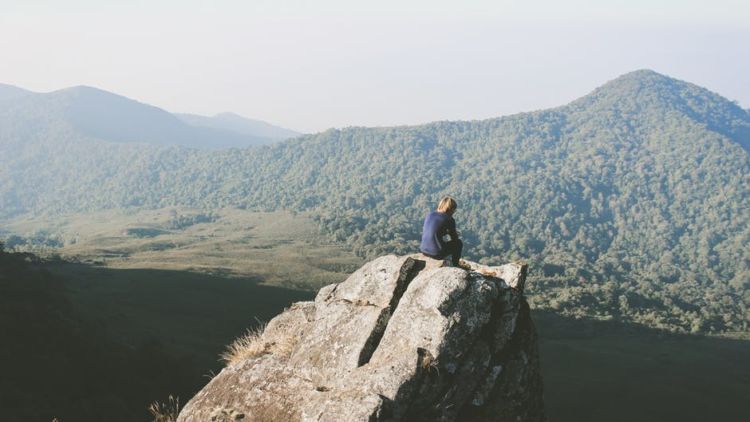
(606, 371)
(194, 286)
(275, 248)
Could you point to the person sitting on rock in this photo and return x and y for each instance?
(436, 225)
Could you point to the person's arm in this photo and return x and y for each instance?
(452, 233)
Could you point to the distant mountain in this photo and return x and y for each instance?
(94, 113)
(630, 202)
(656, 91)
(236, 123)
(9, 92)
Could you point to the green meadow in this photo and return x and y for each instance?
(278, 248)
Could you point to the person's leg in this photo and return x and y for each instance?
(454, 249)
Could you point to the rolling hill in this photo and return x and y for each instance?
(88, 112)
(10, 92)
(630, 202)
(235, 123)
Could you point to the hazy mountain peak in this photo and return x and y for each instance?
(643, 75)
(640, 81)
(104, 115)
(11, 91)
(87, 88)
(93, 92)
(646, 92)
(236, 123)
(648, 86)
(228, 115)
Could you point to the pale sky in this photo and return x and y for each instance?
(311, 65)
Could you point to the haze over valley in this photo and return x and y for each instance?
(97, 114)
(619, 199)
(214, 210)
(629, 204)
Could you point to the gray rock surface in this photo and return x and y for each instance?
(402, 339)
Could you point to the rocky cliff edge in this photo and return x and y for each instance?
(404, 338)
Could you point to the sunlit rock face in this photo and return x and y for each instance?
(402, 339)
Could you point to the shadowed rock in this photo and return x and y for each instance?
(402, 339)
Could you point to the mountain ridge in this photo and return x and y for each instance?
(108, 116)
(9, 92)
(647, 86)
(240, 124)
(625, 204)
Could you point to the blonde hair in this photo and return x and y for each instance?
(447, 205)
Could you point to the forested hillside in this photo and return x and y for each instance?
(631, 202)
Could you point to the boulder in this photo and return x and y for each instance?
(401, 339)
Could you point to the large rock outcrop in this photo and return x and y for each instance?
(402, 339)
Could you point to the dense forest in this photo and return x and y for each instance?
(631, 202)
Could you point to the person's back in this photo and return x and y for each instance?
(436, 225)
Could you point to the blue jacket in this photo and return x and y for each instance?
(437, 225)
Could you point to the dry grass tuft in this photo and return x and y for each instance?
(250, 345)
(165, 412)
(255, 343)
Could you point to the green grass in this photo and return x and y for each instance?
(278, 248)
